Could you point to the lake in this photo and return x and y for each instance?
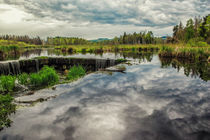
(154, 99)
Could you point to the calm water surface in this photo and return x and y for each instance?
(148, 102)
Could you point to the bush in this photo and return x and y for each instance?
(46, 77)
(23, 78)
(75, 72)
(6, 108)
(7, 83)
(202, 44)
(197, 42)
(35, 79)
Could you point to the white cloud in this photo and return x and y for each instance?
(89, 18)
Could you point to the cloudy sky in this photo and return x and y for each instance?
(92, 19)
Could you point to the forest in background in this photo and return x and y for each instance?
(195, 33)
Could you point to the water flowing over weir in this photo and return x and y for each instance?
(34, 65)
(10, 68)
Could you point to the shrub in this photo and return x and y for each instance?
(6, 108)
(7, 83)
(35, 79)
(202, 44)
(46, 77)
(197, 42)
(75, 72)
(23, 78)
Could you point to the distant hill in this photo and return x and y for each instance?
(164, 37)
(99, 39)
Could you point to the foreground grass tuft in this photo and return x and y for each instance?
(7, 83)
(46, 77)
(23, 79)
(75, 72)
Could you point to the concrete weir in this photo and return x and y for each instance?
(33, 65)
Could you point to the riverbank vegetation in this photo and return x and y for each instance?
(75, 72)
(6, 108)
(46, 77)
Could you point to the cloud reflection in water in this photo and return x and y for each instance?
(146, 103)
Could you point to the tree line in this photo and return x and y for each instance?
(25, 38)
(66, 41)
(197, 30)
(135, 38)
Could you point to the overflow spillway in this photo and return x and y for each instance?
(34, 65)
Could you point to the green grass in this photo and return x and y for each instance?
(6, 108)
(167, 49)
(46, 77)
(23, 79)
(9, 48)
(75, 72)
(7, 83)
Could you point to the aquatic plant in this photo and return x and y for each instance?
(7, 83)
(75, 72)
(46, 77)
(6, 108)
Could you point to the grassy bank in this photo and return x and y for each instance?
(181, 50)
(46, 77)
(184, 52)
